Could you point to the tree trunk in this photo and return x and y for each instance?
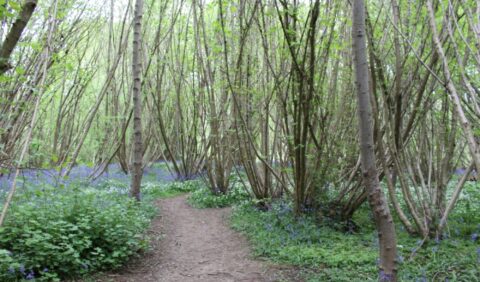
(378, 203)
(136, 168)
(15, 33)
(452, 91)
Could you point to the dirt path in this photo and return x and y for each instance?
(196, 245)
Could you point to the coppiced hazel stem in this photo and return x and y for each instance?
(42, 70)
(452, 91)
(453, 199)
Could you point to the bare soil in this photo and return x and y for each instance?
(191, 244)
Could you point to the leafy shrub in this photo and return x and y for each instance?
(205, 198)
(57, 233)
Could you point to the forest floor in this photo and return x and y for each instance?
(190, 244)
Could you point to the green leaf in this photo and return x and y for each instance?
(15, 6)
(20, 70)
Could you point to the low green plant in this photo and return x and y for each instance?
(465, 218)
(151, 190)
(205, 198)
(156, 190)
(325, 253)
(55, 233)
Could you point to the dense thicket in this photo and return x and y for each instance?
(262, 87)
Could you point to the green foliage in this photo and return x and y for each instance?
(155, 190)
(57, 233)
(151, 190)
(326, 254)
(9, 9)
(465, 219)
(205, 198)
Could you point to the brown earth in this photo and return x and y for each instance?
(191, 244)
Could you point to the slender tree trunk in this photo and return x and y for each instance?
(136, 168)
(378, 203)
(452, 91)
(15, 33)
(454, 199)
(43, 68)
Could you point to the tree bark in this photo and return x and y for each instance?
(136, 168)
(378, 203)
(15, 33)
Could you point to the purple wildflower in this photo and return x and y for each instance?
(474, 237)
(400, 259)
(30, 275)
(11, 270)
(385, 277)
(423, 278)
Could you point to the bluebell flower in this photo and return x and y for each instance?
(400, 259)
(423, 278)
(474, 237)
(45, 270)
(11, 270)
(435, 249)
(30, 275)
(385, 277)
(22, 269)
